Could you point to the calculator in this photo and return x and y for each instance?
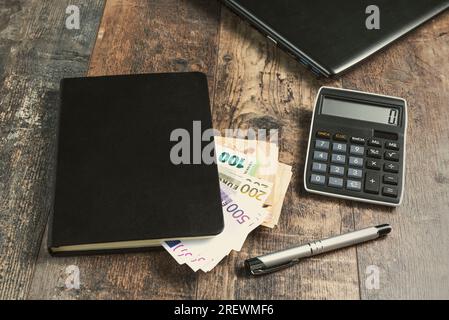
(356, 147)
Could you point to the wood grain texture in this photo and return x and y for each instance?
(157, 36)
(36, 51)
(259, 86)
(414, 260)
(139, 37)
(252, 84)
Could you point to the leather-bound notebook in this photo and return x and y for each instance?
(117, 186)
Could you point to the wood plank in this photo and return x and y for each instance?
(138, 37)
(254, 84)
(259, 86)
(36, 51)
(161, 36)
(413, 262)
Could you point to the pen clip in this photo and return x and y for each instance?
(262, 271)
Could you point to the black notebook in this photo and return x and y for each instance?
(116, 186)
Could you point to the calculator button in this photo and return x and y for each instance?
(339, 147)
(373, 164)
(390, 145)
(390, 192)
(357, 150)
(391, 179)
(340, 137)
(318, 179)
(392, 155)
(356, 162)
(336, 182)
(323, 135)
(374, 153)
(372, 183)
(322, 145)
(320, 156)
(355, 173)
(354, 185)
(319, 167)
(338, 158)
(358, 140)
(374, 143)
(337, 171)
(391, 167)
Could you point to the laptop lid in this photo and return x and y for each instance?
(334, 34)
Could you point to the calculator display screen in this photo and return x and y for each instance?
(360, 111)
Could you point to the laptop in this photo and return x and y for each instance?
(329, 36)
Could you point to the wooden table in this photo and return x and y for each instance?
(251, 84)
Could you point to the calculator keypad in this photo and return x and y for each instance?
(373, 164)
(336, 182)
(319, 167)
(320, 156)
(355, 173)
(374, 153)
(354, 185)
(390, 179)
(339, 147)
(357, 150)
(318, 179)
(360, 165)
(372, 182)
(392, 155)
(374, 142)
(391, 167)
(338, 158)
(392, 145)
(358, 140)
(337, 171)
(356, 162)
(322, 145)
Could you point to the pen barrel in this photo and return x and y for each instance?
(285, 256)
(347, 240)
(319, 247)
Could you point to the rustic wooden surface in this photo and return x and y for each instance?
(414, 261)
(36, 51)
(252, 84)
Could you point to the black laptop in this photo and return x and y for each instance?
(330, 36)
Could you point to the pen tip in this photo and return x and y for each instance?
(384, 229)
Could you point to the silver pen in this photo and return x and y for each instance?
(283, 259)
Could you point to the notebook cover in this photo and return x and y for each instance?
(114, 179)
